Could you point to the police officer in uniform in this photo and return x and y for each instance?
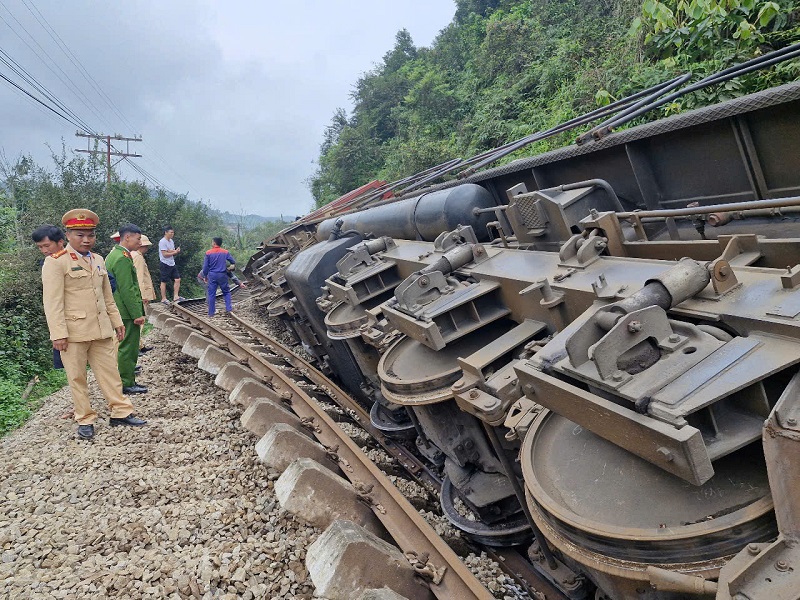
(143, 272)
(83, 320)
(129, 302)
(145, 281)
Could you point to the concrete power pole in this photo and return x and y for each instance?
(108, 151)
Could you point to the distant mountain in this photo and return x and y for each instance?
(246, 220)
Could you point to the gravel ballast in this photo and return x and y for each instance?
(180, 508)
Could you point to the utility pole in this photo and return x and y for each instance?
(108, 152)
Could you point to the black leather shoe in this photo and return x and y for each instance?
(145, 349)
(134, 389)
(131, 420)
(86, 432)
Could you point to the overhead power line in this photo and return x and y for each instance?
(28, 79)
(47, 106)
(148, 176)
(169, 166)
(62, 45)
(68, 81)
(23, 81)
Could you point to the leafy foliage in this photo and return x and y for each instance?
(697, 29)
(503, 69)
(705, 36)
(244, 238)
(30, 196)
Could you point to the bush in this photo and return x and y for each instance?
(33, 195)
(25, 354)
(507, 68)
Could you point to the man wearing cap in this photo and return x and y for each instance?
(142, 271)
(144, 279)
(83, 319)
(129, 302)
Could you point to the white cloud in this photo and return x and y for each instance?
(234, 95)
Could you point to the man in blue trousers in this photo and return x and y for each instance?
(215, 266)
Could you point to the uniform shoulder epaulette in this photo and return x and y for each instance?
(59, 253)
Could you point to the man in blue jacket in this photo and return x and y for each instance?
(215, 266)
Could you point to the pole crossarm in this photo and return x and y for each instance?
(122, 154)
(110, 150)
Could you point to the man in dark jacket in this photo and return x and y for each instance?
(49, 239)
(215, 267)
(129, 302)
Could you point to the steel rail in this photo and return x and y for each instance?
(509, 560)
(409, 530)
(636, 107)
(520, 569)
(754, 64)
(411, 463)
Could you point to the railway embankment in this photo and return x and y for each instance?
(181, 508)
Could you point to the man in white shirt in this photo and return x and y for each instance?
(168, 270)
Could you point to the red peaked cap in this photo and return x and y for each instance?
(80, 218)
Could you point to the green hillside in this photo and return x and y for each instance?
(507, 68)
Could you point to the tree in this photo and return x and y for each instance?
(403, 51)
(30, 196)
(333, 131)
(464, 8)
(503, 69)
(380, 90)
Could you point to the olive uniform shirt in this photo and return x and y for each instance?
(128, 296)
(78, 302)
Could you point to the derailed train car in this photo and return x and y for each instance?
(594, 350)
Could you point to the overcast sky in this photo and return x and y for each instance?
(231, 97)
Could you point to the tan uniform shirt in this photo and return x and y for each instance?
(143, 275)
(78, 302)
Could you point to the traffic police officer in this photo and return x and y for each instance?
(129, 302)
(83, 318)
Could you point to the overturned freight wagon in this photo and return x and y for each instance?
(594, 350)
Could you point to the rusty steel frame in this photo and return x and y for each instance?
(410, 531)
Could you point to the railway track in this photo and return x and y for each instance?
(310, 395)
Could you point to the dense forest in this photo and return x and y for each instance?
(503, 69)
